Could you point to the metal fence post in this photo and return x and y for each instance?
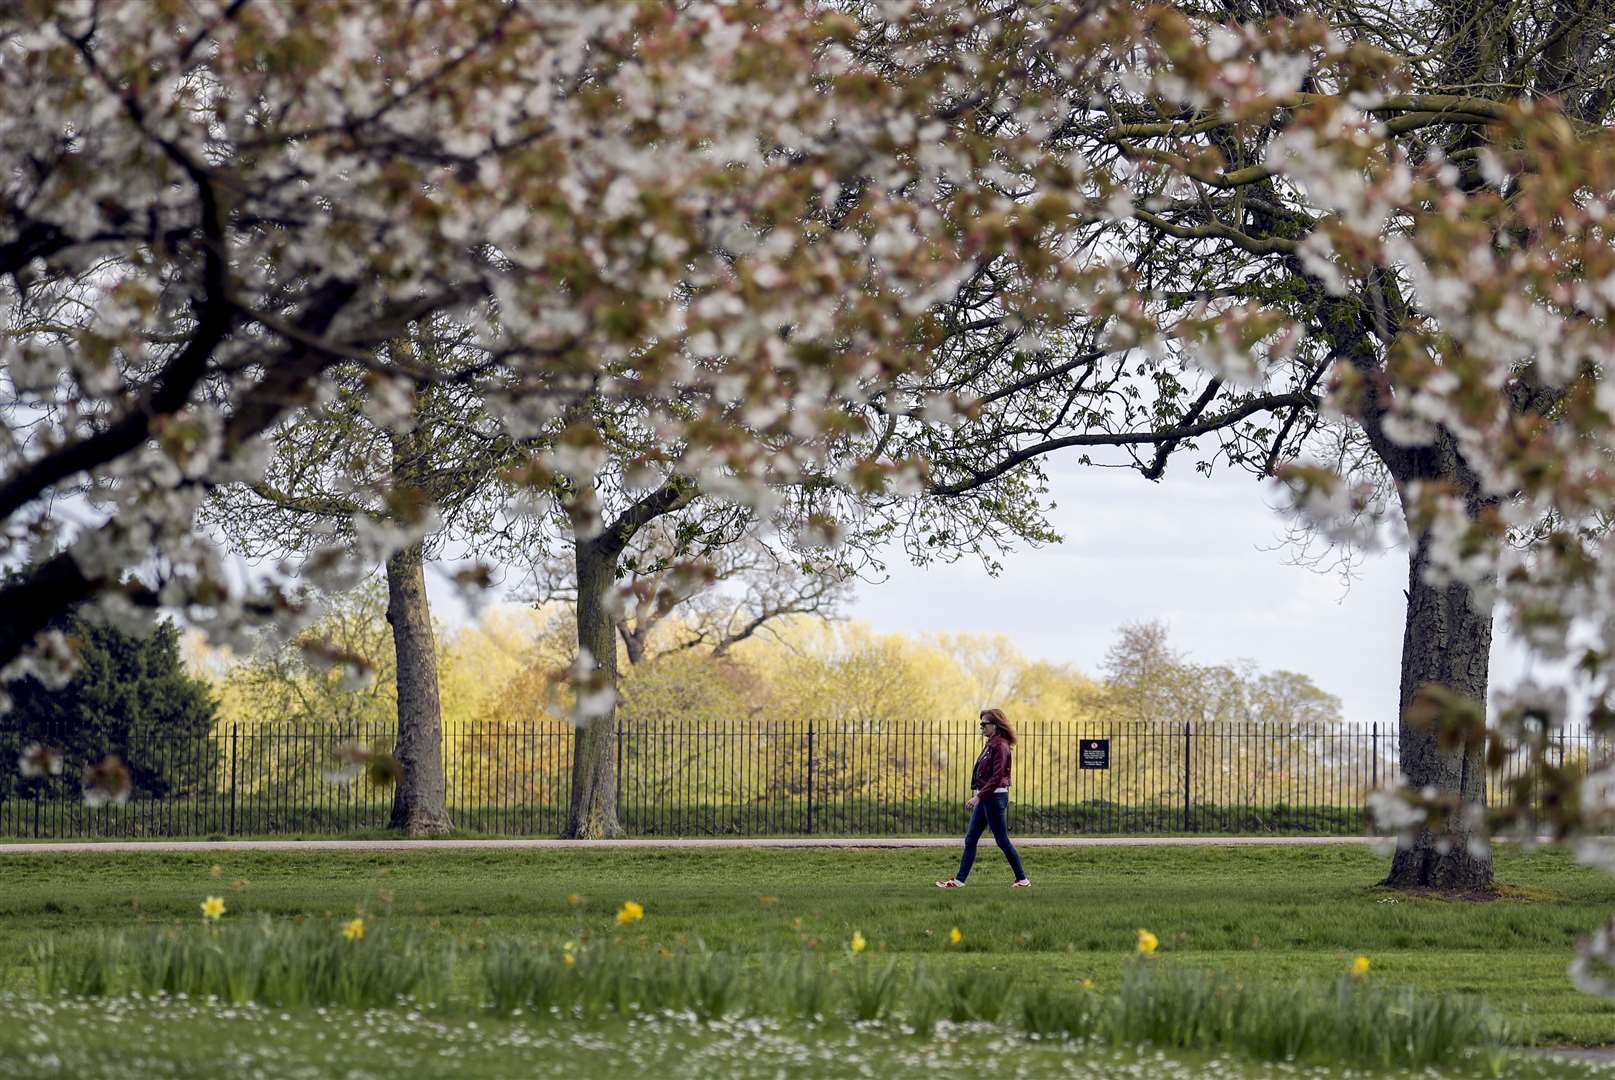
(234, 756)
(1375, 755)
(810, 778)
(1186, 758)
(618, 796)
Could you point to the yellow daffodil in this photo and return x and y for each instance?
(215, 870)
(574, 899)
(858, 942)
(1147, 942)
(354, 930)
(1359, 967)
(213, 907)
(569, 960)
(631, 912)
(954, 937)
(1087, 984)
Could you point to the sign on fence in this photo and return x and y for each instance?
(1095, 754)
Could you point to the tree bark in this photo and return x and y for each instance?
(593, 812)
(1447, 641)
(420, 794)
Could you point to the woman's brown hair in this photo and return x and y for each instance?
(1001, 722)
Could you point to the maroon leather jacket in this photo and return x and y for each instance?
(992, 767)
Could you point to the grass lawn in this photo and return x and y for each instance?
(1272, 913)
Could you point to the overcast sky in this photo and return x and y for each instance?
(1203, 554)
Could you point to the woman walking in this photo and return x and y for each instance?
(990, 803)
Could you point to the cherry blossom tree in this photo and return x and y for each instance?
(205, 209)
(1344, 255)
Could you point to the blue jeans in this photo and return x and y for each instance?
(991, 810)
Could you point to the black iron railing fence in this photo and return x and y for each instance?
(752, 778)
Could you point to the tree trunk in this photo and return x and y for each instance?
(593, 813)
(419, 796)
(1447, 641)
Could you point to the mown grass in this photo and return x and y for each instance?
(1252, 913)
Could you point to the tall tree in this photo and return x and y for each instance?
(424, 463)
(1288, 256)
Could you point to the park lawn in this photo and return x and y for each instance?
(1263, 912)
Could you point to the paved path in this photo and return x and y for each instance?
(1597, 1055)
(155, 846)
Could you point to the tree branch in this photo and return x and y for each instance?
(174, 384)
(321, 505)
(675, 493)
(1295, 413)
(1216, 230)
(1164, 450)
(1020, 457)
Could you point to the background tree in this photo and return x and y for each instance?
(702, 576)
(295, 682)
(653, 521)
(723, 596)
(1267, 732)
(893, 717)
(130, 697)
(426, 466)
(1146, 679)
